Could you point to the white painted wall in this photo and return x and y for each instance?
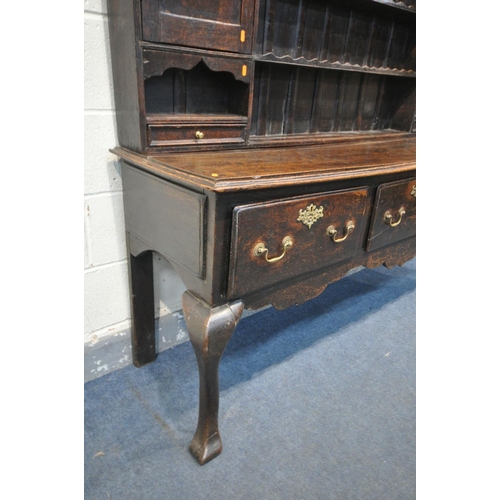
(107, 309)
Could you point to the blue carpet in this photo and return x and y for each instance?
(317, 402)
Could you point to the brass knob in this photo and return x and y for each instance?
(199, 135)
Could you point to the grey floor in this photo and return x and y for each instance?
(317, 402)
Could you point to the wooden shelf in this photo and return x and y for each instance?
(315, 63)
(291, 100)
(399, 5)
(194, 119)
(363, 36)
(273, 141)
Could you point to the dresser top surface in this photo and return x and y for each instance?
(231, 170)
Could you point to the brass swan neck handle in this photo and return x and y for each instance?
(260, 250)
(348, 229)
(388, 217)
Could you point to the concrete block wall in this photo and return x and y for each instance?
(106, 296)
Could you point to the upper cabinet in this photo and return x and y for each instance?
(193, 75)
(211, 24)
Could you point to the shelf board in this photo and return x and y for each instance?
(195, 119)
(397, 5)
(322, 137)
(315, 63)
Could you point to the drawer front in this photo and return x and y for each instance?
(278, 240)
(394, 214)
(170, 135)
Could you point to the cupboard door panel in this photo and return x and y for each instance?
(215, 24)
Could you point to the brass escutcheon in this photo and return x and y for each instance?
(310, 215)
(348, 229)
(260, 250)
(388, 217)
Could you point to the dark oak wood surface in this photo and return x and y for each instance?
(210, 329)
(142, 306)
(156, 61)
(394, 215)
(224, 196)
(208, 227)
(215, 24)
(124, 35)
(268, 147)
(311, 247)
(258, 169)
(182, 238)
(305, 68)
(349, 35)
(303, 288)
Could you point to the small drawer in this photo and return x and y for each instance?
(394, 215)
(172, 135)
(277, 240)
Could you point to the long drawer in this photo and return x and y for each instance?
(278, 240)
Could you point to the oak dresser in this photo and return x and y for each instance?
(267, 147)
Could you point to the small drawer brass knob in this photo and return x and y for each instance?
(199, 135)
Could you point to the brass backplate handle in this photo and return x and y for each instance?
(260, 250)
(388, 217)
(348, 229)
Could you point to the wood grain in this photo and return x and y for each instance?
(300, 290)
(124, 35)
(213, 24)
(390, 198)
(265, 168)
(268, 223)
(209, 331)
(293, 100)
(319, 98)
(346, 34)
(142, 306)
(181, 237)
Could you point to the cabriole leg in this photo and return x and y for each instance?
(209, 330)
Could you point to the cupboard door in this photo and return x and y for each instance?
(215, 24)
